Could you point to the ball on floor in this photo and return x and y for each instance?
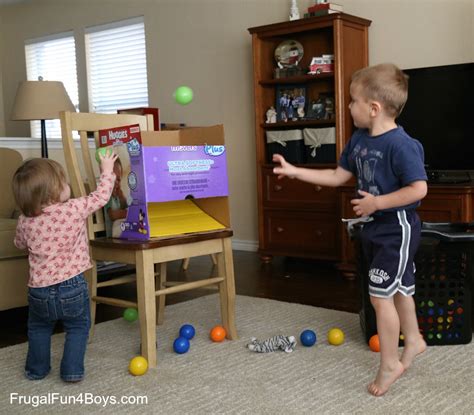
(138, 366)
(130, 314)
(187, 331)
(308, 338)
(181, 345)
(335, 336)
(217, 334)
(374, 343)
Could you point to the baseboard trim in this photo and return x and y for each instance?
(244, 245)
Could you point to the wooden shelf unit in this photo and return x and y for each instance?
(298, 124)
(303, 79)
(296, 218)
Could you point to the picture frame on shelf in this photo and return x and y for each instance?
(321, 108)
(290, 102)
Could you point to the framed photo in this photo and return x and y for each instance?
(321, 108)
(290, 102)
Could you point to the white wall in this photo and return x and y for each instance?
(417, 33)
(213, 36)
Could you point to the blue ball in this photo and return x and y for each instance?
(187, 331)
(181, 345)
(308, 338)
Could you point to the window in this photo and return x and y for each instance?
(116, 62)
(54, 59)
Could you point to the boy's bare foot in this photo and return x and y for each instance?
(385, 377)
(411, 350)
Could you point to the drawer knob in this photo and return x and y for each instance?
(318, 188)
(280, 229)
(277, 188)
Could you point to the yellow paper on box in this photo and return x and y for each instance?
(179, 217)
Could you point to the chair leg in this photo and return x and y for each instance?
(91, 276)
(225, 269)
(146, 300)
(161, 299)
(185, 264)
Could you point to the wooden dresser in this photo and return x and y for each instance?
(295, 218)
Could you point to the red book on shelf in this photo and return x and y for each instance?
(144, 111)
(323, 12)
(325, 6)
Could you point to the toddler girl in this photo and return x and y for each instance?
(53, 229)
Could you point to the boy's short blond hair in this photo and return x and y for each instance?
(38, 183)
(385, 83)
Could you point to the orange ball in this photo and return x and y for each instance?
(374, 343)
(218, 334)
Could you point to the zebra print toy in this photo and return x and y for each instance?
(285, 343)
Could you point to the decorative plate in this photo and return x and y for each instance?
(289, 53)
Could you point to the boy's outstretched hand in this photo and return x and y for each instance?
(285, 169)
(107, 161)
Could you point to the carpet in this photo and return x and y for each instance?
(227, 378)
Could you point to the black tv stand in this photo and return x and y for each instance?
(448, 176)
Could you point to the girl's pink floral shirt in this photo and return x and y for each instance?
(57, 241)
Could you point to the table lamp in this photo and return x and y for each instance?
(41, 100)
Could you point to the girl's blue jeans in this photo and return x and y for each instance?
(68, 302)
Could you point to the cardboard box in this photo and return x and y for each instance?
(173, 182)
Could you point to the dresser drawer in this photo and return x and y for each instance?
(294, 192)
(442, 208)
(301, 233)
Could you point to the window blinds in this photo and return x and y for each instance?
(54, 59)
(116, 61)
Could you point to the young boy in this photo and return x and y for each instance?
(391, 180)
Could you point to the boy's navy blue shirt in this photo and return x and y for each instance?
(385, 163)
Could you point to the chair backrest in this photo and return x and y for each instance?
(80, 164)
(11, 160)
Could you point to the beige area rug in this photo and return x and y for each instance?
(227, 378)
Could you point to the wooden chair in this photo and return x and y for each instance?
(144, 255)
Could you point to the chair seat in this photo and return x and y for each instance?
(154, 243)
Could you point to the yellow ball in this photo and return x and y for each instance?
(138, 366)
(335, 336)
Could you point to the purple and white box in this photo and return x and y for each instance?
(169, 166)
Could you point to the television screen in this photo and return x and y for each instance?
(440, 114)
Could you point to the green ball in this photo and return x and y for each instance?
(130, 314)
(183, 95)
(103, 151)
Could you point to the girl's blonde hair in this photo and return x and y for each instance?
(385, 83)
(38, 183)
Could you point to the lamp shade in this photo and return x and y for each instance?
(40, 100)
